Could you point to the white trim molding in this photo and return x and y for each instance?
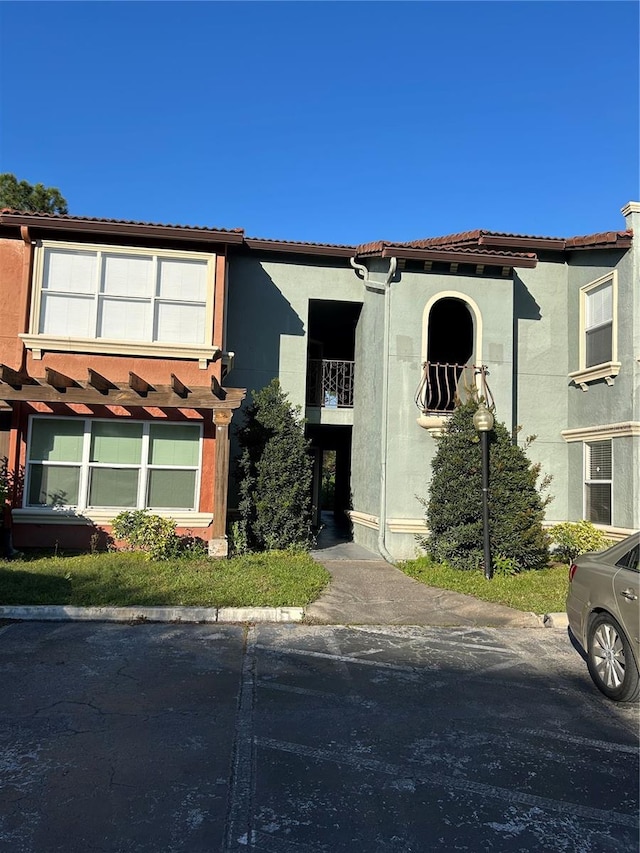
(363, 519)
(39, 343)
(607, 371)
(472, 305)
(434, 424)
(102, 518)
(631, 207)
(413, 526)
(603, 431)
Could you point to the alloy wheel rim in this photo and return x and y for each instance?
(608, 656)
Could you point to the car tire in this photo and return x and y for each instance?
(610, 660)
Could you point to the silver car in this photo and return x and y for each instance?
(604, 616)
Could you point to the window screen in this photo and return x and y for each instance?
(599, 325)
(598, 482)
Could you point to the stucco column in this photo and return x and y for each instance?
(219, 546)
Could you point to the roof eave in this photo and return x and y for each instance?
(554, 244)
(299, 248)
(482, 259)
(76, 226)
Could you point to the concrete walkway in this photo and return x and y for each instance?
(366, 590)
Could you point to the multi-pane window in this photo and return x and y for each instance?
(119, 294)
(598, 481)
(86, 464)
(599, 324)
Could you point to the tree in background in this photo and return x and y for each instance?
(275, 474)
(36, 198)
(454, 506)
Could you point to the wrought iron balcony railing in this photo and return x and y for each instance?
(330, 383)
(439, 386)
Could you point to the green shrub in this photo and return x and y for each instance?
(573, 538)
(150, 533)
(454, 505)
(275, 475)
(238, 544)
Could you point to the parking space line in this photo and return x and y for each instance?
(241, 786)
(338, 658)
(450, 782)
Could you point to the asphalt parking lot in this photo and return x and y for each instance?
(200, 738)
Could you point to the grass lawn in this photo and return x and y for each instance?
(276, 578)
(541, 591)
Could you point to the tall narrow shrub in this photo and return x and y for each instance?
(454, 505)
(275, 474)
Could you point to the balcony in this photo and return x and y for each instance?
(330, 384)
(440, 386)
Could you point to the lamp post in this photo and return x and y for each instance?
(483, 423)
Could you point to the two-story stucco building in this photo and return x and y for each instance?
(116, 338)
(111, 370)
(357, 333)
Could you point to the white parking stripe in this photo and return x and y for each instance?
(466, 785)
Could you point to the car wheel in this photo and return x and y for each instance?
(610, 660)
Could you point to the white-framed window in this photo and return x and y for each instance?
(598, 323)
(598, 348)
(598, 481)
(82, 463)
(117, 299)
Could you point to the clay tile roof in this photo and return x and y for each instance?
(605, 239)
(505, 242)
(462, 238)
(95, 224)
(372, 248)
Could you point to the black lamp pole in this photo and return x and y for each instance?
(483, 422)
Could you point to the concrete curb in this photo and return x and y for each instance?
(67, 613)
(555, 620)
(63, 613)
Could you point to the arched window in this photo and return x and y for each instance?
(451, 339)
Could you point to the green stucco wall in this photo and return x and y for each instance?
(526, 329)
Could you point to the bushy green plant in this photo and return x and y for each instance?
(275, 475)
(573, 538)
(454, 505)
(154, 535)
(238, 544)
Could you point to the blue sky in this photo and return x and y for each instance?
(334, 122)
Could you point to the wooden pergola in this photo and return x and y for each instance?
(99, 390)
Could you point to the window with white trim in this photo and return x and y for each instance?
(598, 325)
(598, 481)
(598, 348)
(121, 296)
(86, 463)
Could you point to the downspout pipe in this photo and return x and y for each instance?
(384, 287)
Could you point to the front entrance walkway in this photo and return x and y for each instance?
(366, 590)
(335, 542)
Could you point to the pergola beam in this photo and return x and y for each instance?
(178, 387)
(13, 377)
(97, 381)
(217, 390)
(139, 385)
(99, 391)
(58, 380)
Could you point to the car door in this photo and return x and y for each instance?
(626, 589)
